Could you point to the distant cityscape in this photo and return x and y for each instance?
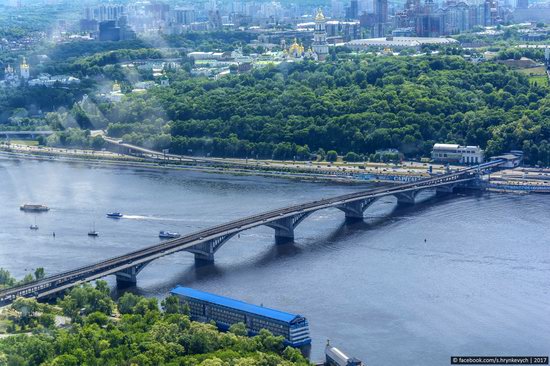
(276, 32)
(345, 21)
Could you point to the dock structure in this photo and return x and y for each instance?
(335, 357)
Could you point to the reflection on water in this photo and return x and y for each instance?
(465, 274)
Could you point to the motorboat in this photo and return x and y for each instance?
(168, 235)
(114, 215)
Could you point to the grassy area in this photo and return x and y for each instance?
(536, 75)
(25, 142)
(540, 80)
(532, 71)
(4, 323)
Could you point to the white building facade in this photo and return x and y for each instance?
(453, 153)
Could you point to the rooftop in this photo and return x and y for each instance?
(235, 304)
(401, 41)
(446, 146)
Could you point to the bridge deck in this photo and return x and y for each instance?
(61, 281)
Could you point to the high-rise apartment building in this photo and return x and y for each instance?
(352, 12)
(381, 17)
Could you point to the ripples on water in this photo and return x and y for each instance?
(477, 285)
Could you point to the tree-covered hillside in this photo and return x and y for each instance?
(363, 105)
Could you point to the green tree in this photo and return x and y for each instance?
(332, 156)
(27, 279)
(47, 320)
(6, 280)
(127, 302)
(239, 329)
(352, 157)
(172, 305)
(39, 273)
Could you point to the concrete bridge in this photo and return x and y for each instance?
(121, 147)
(205, 243)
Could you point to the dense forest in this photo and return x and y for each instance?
(131, 331)
(361, 106)
(352, 104)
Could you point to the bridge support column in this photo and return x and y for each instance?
(354, 210)
(446, 189)
(406, 198)
(284, 227)
(204, 252)
(128, 276)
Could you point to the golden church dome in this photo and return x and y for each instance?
(319, 15)
(116, 87)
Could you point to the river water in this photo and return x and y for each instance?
(460, 275)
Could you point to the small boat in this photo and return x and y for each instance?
(114, 215)
(93, 232)
(168, 235)
(34, 226)
(34, 208)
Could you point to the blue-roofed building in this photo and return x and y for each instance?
(225, 312)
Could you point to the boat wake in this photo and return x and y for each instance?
(151, 218)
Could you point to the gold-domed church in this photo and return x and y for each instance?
(11, 79)
(297, 52)
(319, 47)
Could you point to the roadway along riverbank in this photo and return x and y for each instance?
(518, 180)
(144, 164)
(316, 171)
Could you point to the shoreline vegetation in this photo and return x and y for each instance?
(87, 326)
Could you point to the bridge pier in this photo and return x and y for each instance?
(284, 227)
(128, 276)
(406, 198)
(204, 252)
(354, 210)
(446, 189)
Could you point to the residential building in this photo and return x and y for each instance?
(352, 12)
(225, 312)
(381, 17)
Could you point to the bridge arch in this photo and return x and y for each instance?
(206, 242)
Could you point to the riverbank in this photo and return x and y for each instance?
(145, 164)
(517, 180)
(320, 171)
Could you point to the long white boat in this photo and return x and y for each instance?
(34, 208)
